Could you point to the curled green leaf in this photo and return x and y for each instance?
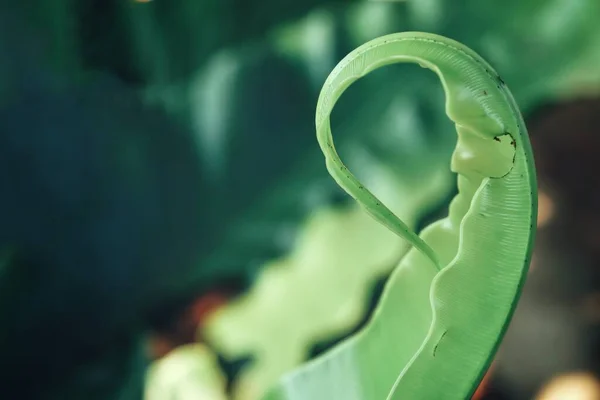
(448, 302)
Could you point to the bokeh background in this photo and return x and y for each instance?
(284, 264)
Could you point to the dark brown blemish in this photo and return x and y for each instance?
(438, 342)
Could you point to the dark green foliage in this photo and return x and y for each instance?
(101, 209)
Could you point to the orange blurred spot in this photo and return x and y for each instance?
(545, 209)
(574, 386)
(483, 385)
(159, 347)
(185, 331)
(206, 305)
